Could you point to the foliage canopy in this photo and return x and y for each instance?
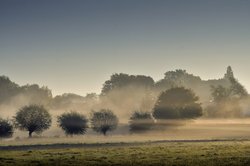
(103, 121)
(33, 118)
(177, 103)
(73, 123)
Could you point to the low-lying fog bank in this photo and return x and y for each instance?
(195, 130)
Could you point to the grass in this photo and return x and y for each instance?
(167, 153)
(233, 147)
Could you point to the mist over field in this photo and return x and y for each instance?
(124, 82)
(224, 101)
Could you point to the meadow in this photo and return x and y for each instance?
(203, 142)
(144, 153)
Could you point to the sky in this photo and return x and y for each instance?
(73, 46)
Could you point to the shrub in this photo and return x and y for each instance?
(73, 123)
(6, 128)
(140, 122)
(103, 121)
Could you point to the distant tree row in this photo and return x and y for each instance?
(176, 103)
(127, 93)
(32, 93)
(36, 118)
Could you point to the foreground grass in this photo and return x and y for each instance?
(168, 153)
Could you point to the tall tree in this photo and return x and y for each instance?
(8, 89)
(235, 89)
(118, 81)
(226, 100)
(229, 73)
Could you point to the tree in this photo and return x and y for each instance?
(140, 122)
(118, 81)
(6, 128)
(177, 103)
(103, 121)
(229, 73)
(67, 101)
(8, 89)
(73, 123)
(226, 100)
(36, 94)
(33, 118)
(180, 77)
(235, 89)
(220, 93)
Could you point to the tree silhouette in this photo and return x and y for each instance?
(177, 103)
(32, 93)
(8, 89)
(73, 123)
(36, 94)
(220, 93)
(118, 81)
(177, 78)
(103, 121)
(6, 128)
(226, 100)
(33, 118)
(229, 73)
(140, 122)
(235, 89)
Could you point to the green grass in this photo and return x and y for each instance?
(170, 153)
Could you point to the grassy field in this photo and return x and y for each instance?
(148, 153)
(218, 142)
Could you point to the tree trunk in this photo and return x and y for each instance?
(104, 132)
(30, 134)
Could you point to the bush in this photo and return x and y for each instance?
(6, 128)
(103, 121)
(73, 123)
(140, 122)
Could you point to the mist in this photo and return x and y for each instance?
(124, 94)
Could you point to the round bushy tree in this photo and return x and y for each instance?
(177, 103)
(6, 128)
(73, 123)
(140, 122)
(33, 118)
(103, 121)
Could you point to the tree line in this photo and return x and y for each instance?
(123, 94)
(176, 103)
(36, 119)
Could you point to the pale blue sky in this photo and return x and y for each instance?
(75, 45)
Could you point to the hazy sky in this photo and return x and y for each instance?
(75, 45)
